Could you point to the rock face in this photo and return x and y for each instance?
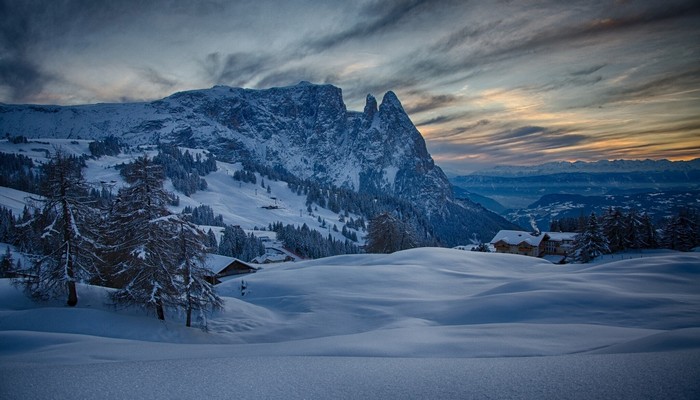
(306, 129)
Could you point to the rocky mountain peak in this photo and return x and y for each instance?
(370, 107)
(304, 129)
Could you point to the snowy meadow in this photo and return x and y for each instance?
(421, 323)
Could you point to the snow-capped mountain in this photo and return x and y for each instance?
(602, 166)
(304, 129)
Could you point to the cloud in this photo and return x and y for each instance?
(376, 17)
(588, 71)
(440, 119)
(430, 102)
(668, 83)
(235, 69)
(18, 73)
(155, 77)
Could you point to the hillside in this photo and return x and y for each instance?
(424, 323)
(304, 130)
(239, 203)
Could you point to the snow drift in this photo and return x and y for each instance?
(418, 323)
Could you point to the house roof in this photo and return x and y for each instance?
(560, 236)
(217, 263)
(517, 237)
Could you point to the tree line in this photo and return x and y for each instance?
(153, 257)
(617, 231)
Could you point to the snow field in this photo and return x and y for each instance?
(414, 324)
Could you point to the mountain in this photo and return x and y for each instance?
(517, 187)
(304, 130)
(602, 166)
(659, 205)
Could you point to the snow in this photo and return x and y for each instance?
(422, 323)
(517, 237)
(15, 200)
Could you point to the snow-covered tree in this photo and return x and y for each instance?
(647, 233)
(679, 233)
(614, 229)
(68, 232)
(6, 264)
(198, 293)
(387, 234)
(590, 243)
(633, 236)
(211, 237)
(144, 237)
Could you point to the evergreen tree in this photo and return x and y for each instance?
(144, 241)
(590, 243)
(212, 240)
(68, 242)
(633, 236)
(481, 247)
(647, 233)
(614, 229)
(387, 234)
(198, 293)
(6, 265)
(679, 233)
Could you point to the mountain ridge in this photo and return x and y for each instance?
(305, 129)
(601, 166)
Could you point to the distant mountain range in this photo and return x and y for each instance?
(603, 166)
(524, 194)
(518, 187)
(304, 130)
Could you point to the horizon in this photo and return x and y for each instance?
(485, 84)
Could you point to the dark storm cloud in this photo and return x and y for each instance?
(18, 72)
(26, 25)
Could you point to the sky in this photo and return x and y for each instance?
(486, 82)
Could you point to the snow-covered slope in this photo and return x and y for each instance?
(239, 203)
(305, 129)
(414, 323)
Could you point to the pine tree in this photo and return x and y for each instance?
(633, 236)
(614, 229)
(647, 234)
(212, 240)
(679, 233)
(144, 241)
(68, 237)
(198, 293)
(387, 234)
(590, 243)
(6, 264)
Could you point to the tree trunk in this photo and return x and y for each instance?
(72, 294)
(159, 309)
(188, 321)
